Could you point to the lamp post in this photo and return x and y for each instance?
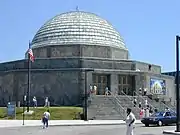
(177, 85)
(24, 102)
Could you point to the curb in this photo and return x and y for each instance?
(171, 133)
(63, 125)
(98, 124)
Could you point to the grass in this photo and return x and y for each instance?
(57, 113)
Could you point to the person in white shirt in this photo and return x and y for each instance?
(145, 92)
(130, 122)
(35, 101)
(106, 91)
(45, 119)
(146, 102)
(46, 102)
(95, 90)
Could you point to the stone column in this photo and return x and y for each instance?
(114, 83)
(81, 84)
(140, 82)
(89, 80)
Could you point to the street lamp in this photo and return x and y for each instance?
(177, 85)
(24, 102)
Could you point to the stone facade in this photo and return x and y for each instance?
(62, 79)
(87, 51)
(62, 87)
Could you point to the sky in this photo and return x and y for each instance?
(148, 27)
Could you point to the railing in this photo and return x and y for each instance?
(119, 107)
(143, 99)
(171, 107)
(162, 106)
(159, 105)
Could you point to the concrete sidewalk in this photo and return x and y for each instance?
(18, 123)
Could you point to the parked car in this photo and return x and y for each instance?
(160, 118)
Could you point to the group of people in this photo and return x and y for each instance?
(46, 102)
(146, 109)
(140, 104)
(93, 90)
(146, 112)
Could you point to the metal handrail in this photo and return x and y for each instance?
(119, 105)
(161, 103)
(127, 96)
(143, 99)
(132, 103)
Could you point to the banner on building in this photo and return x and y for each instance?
(158, 86)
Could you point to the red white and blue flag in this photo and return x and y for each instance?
(30, 53)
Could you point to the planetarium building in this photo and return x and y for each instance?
(66, 49)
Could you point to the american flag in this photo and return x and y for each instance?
(31, 56)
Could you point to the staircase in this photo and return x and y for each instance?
(154, 104)
(127, 102)
(113, 107)
(105, 108)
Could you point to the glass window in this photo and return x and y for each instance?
(168, 114)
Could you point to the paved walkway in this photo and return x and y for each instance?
(19, 123)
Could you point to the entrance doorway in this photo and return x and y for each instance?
(101, 82)
(126, 84)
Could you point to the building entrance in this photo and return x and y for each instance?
(101, 82)
(126, 84)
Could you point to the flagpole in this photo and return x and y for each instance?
(29, 79)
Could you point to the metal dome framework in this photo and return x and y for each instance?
(77, 28)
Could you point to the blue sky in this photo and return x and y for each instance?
(148, 27)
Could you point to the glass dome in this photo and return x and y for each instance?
(77, 27)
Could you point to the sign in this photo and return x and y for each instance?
(158, 86)
(11, 109)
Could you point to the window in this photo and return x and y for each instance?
(168, 114)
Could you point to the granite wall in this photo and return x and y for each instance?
(144, 67)
(62, 87)
(88, 51)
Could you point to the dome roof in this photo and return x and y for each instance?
(77, 27)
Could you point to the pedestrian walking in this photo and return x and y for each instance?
(150, 111)
(146, 103)
(130, 122)
(145, 92)
(106, 91)
(46, 102)
(45, 119)
(135, 102)
(146, 112)
(140, 105)
(141, 113)
(34, 102)
(95, 90)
